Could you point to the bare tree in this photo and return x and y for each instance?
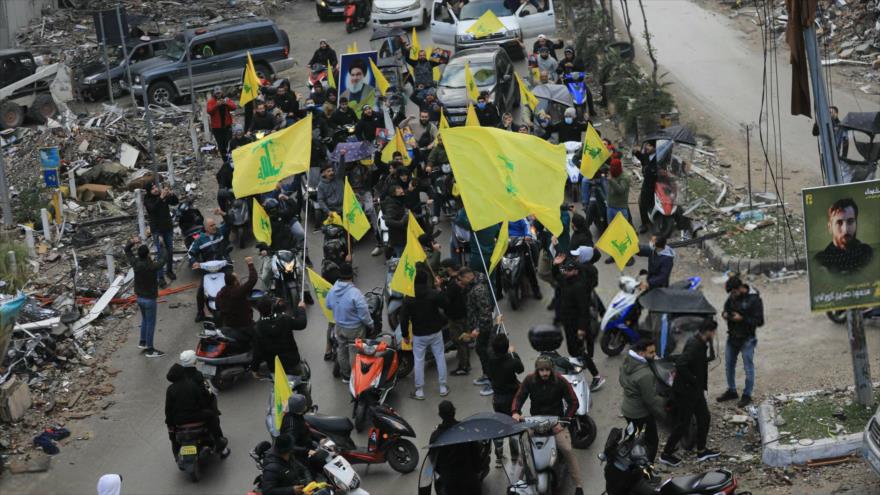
(649, 46)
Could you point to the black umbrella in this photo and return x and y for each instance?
(677, 133)
(867, 122)
(679, 301)
(480, 427)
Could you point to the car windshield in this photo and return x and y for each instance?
(476, 9)
(453, 75)
(175, 48)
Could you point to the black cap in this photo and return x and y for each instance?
(346, 272)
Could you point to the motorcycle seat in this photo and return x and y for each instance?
(705, 482)
(336, 424)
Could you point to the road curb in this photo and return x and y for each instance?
(720, 260)
(776, 454)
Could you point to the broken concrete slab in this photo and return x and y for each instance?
(15, 400)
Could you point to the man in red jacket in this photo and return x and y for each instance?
(220, 109)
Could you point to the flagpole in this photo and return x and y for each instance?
(302, 289)
(488, 278)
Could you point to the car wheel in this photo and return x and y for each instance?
(43, 108)
(11, 115)
(161, 93)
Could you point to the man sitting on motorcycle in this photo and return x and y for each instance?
(573, 65)
(549, 393)
(282, 473)
(521, 229)
(273, 335)
(546, 63)
(324, 55)
(293, 425)
(370, 122)
(569, 129)
(423, 68)
(343, 115)
(188, 400)
(330, 192)
(569, 68)
(209, 246)
(234, 305)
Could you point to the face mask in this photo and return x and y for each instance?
(481, 105)
(569, 120)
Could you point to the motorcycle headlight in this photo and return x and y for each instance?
(446, 168)
(289, 267)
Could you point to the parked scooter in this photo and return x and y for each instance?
(374, 373)
(628, 470)
(544, 452)
(222, 358)
(577, 87)
(341, 478)
(196, 445)
(317, 75)
(546, 339)
(357, 14)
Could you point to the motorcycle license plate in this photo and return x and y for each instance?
(208, 369)
(188, 450)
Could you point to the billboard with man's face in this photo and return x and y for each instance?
(843, 238)
(356, 82)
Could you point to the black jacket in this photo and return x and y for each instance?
(234, 304)
(323, 56)
(659, 265)
(281, 218)
(340, 118)
(547, 396)
(488, 116)
(649, 168)
(187, 399)
(287, 103)
(575, 296)
(146, 283)
(751, 308)
(457, 465)
(395, 215)
(502, 371)
(280, 476)
(295, 426)
(273, 336)
(158, 211)
(568, 132)
(692, 367)
(456, 307)
(423, 311)
(366, 128)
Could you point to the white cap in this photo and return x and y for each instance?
(584, 254)
(542, 37)
(188, 358)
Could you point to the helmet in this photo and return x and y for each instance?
(270, 205)
(570, 112)
(543, 362)
(297, 404)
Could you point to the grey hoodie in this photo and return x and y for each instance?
(348, 305)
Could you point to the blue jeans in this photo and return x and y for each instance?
(168, 246)
(612, 212)
(748, 356)
(420, 348)
(586, 184)
(148, 320)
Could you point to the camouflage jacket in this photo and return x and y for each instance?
(479, 305)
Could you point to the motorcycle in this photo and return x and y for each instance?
(462, 238)
(514, 266)
(385, 439)
(839, 316)
(213, 279)
(678, 309)
(375, 305)
(341, 477)
(546, 339)
(317, 75)
(222, 358)
(190, 221)
(580, 92)
(544, 452)
(442, 183)
(628, 470)
(241, 220)
(664, 215)
(286, 276)
(357, 16)
(374, 373)
(196, 445)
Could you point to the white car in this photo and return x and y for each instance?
(450, 28)
(401, 13)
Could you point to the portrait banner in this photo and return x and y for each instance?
(842, 236)
(356, 80)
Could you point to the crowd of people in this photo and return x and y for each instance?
(456, 295)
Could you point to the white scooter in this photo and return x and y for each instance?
(213, 279)
(341, 477)
(545, 453)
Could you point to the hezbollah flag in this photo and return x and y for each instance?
(525, 95)
(414, 46)
(405, 274)
(261, 224)
(281, 395)
(250, 85)
(619, 240)
(488, 24)
(396, 144)
(595, 153)
(471, 120)
(413, 226)
(261, 164)
(353, 218)
(506, 175)
(500, 247)
(381, 82)
(473, 91)
(333, 218)
(444, 124)
(322, 287)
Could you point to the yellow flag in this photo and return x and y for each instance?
(473, 91)
(486, 25)
(472, 120)
(282, 393)
(506, 175)
(352, 48)
(353, 218)
(381, 82)
(414, 46)
(404, 277)
(444, 124)
(261, 164)
(500, 247)
(413, 226)
(436, 73)
(333, 218)
(322, 287)
(595, 153)
(396, 144)
(261, 224)
(250, 85)
(536, 75)
(331, 81)
(525, 95)
(619, 240)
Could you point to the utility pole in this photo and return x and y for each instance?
(855, 326)
(5, 201)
